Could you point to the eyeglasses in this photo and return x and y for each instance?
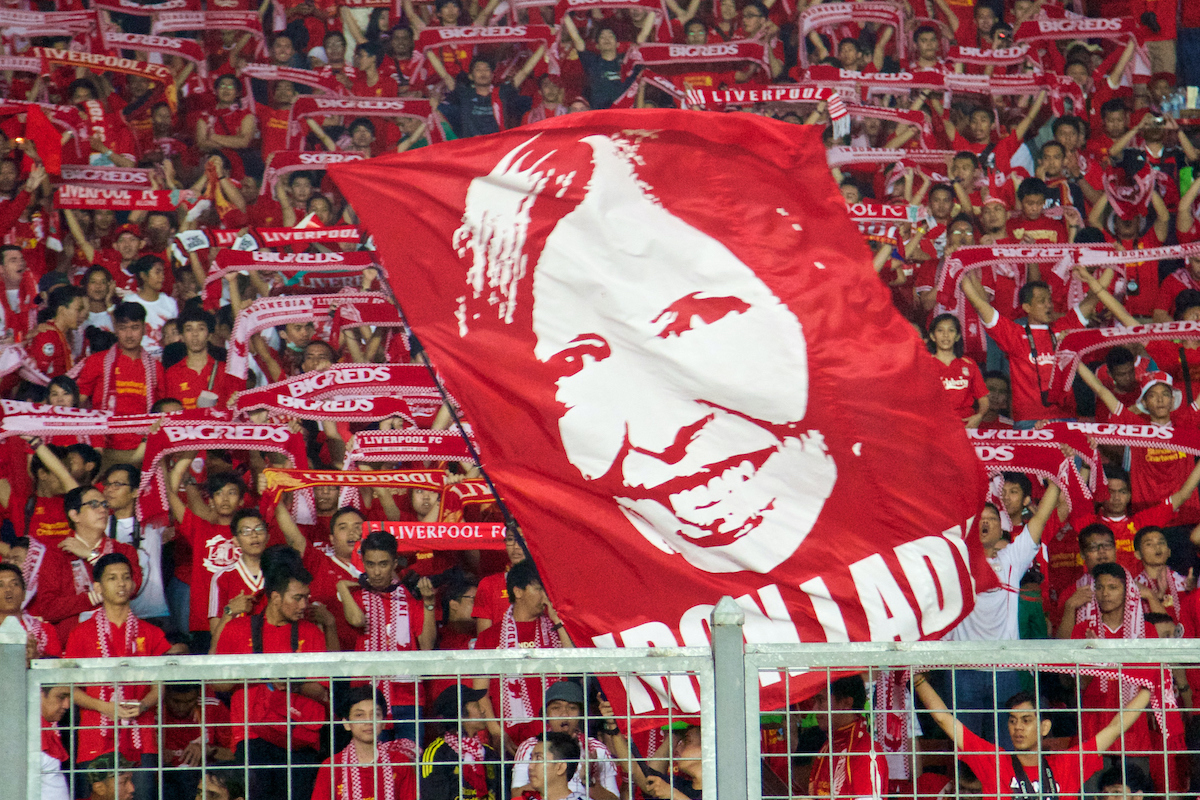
(965, 234)
(1099, 546)
(96, 505)
(116, 483)
(255, 529)
(751, 15)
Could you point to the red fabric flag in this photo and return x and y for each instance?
(684, 376)
(47, 139)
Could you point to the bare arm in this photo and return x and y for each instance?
(55, 465)
(1123, 720)
(528, 66)
(291, 532)
(1183, 218)
(354, 613)
(1126, 138)
(1037, 523)
(1105, 297)
(973, 288)
(1102, 392)
(485, 13)
(573, 32)
(1188, 488)
(1114, 75)
(937, 709)
(81, 241)
(1034, 109)
(435, 60)
(1162, 216)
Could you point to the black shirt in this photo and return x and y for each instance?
(473, 114)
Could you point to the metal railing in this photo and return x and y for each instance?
(729, 678)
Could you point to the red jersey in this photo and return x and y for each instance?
(273, 125)
(384, 87)
(1170, 288)
(124, 641)
(994, 767)
(1042, 230)
(213, 551)
(51, 352)
(491, 598)
(125, 391)
(865, 773)
(334, 779)
(1102, 699)
(1157, 473)
(179, 732)
(237, 580)
(963, 383)
(111, 260)
(1125, 527)
(48, 522)
(1171, 356)
(185, 384)
(1029, 380)
(236, 638)
(1145, 273)
(63, 584)
(327, 569)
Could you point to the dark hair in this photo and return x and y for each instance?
(1126, 774)
(967, 155)
(86, 83)
(564, 748)
(36, 465)
(67, 384)
(14, 569)
(129, 312)
(1112, 569)
(89, 455)
(133, 473)
(355, 695)
(245, 513)
(12, 248)
(224, 316)
(1114, 472)
(995, 374)
(1067, 120)
(159, 405)
(938, 320)
(1141, 534)
(850, 40)
(925, 28)
(1032, 186)
(1111, 106)
(1119, 356)
(1025, 295)
(691, 23)
(521, 576)
(1021, 697)
(1091, 531)
(73, 501)
(850, 688)
(1185, 300)
(373, 49)
(87, 276)
(380, 542)
(106, 561)
(1089, 235)
(341, 512)
(196, 313)
(333, 354)
(941, 187)
(231, 779)
(99, 339)
(1052, 143)
(280, 566)
(1020, 479)
(362, 122)
(142, 265)
(61, 297)
(286, 35)
(216, 483)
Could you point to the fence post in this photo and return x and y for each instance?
(729, 677)
(14, 712)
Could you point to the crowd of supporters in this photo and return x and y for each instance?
(125, 176)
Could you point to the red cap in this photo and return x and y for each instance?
(128, 227)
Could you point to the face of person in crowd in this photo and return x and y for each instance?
(1025, 728)
(364, 61)
(284, 94)
(990, 530)
(1119, 496)
(1116, 123)
(1068, 137)
(136, 86)
(1110, 593)
(293, 602)
(103, 221)
(708, 474)
(1118, 791)
(728, 9)
(1159, 88)
(1052, 161)
(1098, 549)
(985, 19)
(449, 13)
(326, 497)
(82, 94)
(335, 48)
(117, 787)
(1079, 73)
(282, 50)
(542, 767)
(298, 334)
(1159, 401)
(945, 335)
(321, 207)
(302, 189)
(78, 311)
(1124, 378)
(345, 533)
(251, 536)
(1153, 550)
(962, 169)
(512, 548)
(226, 500)
(424, 501)
(830, 715)
(849, 56)
(941, 203)
(363, 721)
(402, 43)
(1013, 497)
(128, 245)
(927, 46)
(552, 93)
(1126, 228)
(481, 74)
(129, 334)
(161, 119)
(227, 91)
(8, 176)
(696, 34)
(1039, 307)
(11, 593)
(78, 468)
(180, 705)
(316, 357)
(959, 234)
(170, 332)
(195, 336)
(531, 599)
(12, 268)
(993, 217)
(980, 125)
(850, 193)
(58, 396)
(55, 703)
(92, 516)
(563, 716)
(380, 568)
(155, 277)
(210, 789)
(362, 136)
(98, 286)
(461, 608)
(115, 586)
(752, 20)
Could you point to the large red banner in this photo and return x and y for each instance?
(685, 378)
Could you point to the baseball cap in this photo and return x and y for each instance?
(567, 690)
(449, 706)
(128, 227)
(1158, 376)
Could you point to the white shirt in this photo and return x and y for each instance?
(151, 601)
(157, 313)
(995, 615)
(54, 782)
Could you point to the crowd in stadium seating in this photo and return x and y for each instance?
(106, 307)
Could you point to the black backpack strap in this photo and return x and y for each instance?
(1037, 372)
(1048, 790)
(1187, 375)
(295, 636)
(256, 633)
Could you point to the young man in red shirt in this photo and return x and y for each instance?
(51, 349)
(114, 631)
(997, 769)
(330, 562)
(199, 380)
(237, 591)
(1032, 226)
(390, 620)
(492, 601)
(848, 764)
(368, 767)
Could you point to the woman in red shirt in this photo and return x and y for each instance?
(961, 378)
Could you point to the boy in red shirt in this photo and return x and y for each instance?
(1032, 226)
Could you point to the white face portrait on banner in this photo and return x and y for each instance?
(684, 379)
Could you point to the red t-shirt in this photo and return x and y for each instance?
(994, 767)
(234, 581)
(48, 522)
(866, 769)
(1043, 230)
(179, 732)
(273, 126)
(185, 384)
(491, 598)
(384, 87)
(128, 392)
(1102, 699)
(1170, 288)
(96, 730)
(394, 756)
(1026, 395)
(1166, 356)
(1125, 527)
(51, 352)
(963, 383)
(213, 551)
(326, 572)
(1157, 473)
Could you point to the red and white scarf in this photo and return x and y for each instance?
(106, 63)
(36, 627)
(279, 481)
(1005, 57)
(718, 99)
(344, 381)
(385, 762)
(1045, 29)
(842, 156)
(70, 195)
(408, 445)
(1161, 437)
(1041, 458)
(304, 77)
(31, 569)
(228, 261)
(515, 702)
(1131, 198)
(114, 693)
(316, 106)
(167, 45)
(824, 16)
(434, 37)
(1133, 623)
(734, 52)
(1075, 346)
(108, 397)
(106, 177)
(1170, 584)
(213, 20)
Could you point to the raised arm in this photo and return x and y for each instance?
(89, 252)
(354, 613)
(973, 288)
(287, 526)
(1162, 217)
(1114, 75)
(1123, 720)
(573, 32)
(1183, 218)
(937, 709)
(1105, 297)
(1102, 392)
(1188, 488)
(435, 60)
(528, 66)
(1037, 523)
(1035, 108)
(53, 463)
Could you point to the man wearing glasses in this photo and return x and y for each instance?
(120, 484)
(1098, 546)
(756, 27)
(65, 590)
(238, 590)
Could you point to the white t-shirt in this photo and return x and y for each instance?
(151, 601)
(157, 313)
(995, 615)
(596, 759)
(54, 782)
(98, 319)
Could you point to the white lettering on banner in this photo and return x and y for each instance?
(339, 377)
(261, 256)
(1075, 25)
(1111, 429)
(152, 41)
(90, 193)
(246, 433)
(471, 33)
(442, 531)
(328, 158)
(331, 103)
(75, 173)
(349, 405)
(701, 50)
(992, 454)
(930, 565)
(1183, 326)
(1011, 435)
(314, 234)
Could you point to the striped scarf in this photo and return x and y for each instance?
(114, 693)
(517, 690)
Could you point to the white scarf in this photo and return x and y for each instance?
(113, 693)
(388, 627)
(517, 690)
(110, 367)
